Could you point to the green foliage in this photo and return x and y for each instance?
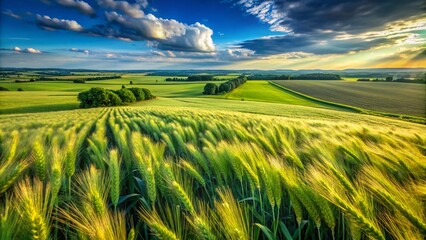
(79, 81)
(210, 89)
(201, 77)
(126, 95)
(148, 94)
(316, 76)
(139, 93)
(231, 84)
(97, 97)
(3, 89)
(100, 97)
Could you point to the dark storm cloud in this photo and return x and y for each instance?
(307, 16)
(315, 44)
(314, 26)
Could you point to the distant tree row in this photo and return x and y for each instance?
(84, 79)
(6, 89)
(391, 79)
(310, 76)
(268, 77)
(175, 79)
(101, 97)
(203, 77)
(213, 89)
(316, 76)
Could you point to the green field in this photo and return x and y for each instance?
(190, 173)
(269, 162)
(265, 92)
(398, 98)
(59, 95)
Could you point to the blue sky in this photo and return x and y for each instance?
(222, 34)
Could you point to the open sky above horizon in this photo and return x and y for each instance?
(221, 34)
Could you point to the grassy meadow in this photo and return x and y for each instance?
(256, 163)
(264, 92)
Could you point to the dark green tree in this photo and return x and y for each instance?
(224, 88)
(139, 93)
(126, 95)
(148, 94)
(210, 89)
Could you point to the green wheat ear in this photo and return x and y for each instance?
(13, 146)
(182, 196)
(114, 176)
(39, 161)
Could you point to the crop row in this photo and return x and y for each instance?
(124, 173)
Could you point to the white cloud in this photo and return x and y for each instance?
(32, 50)
(54, 23)
(240, 53)
(171, 54)
(131, 10)
(85, 51)
(81, 6)
(265, 11)
(27, 50)
(164, 34)
(9, 13)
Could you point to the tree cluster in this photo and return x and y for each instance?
(213, 89)
(79, 81)
(101, 97)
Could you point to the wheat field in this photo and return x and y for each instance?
(171, 173)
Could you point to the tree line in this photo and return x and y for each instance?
(101, 97)
(80, 80)
(391, 79)
(228, 86)
(193, 78)
(309, 76)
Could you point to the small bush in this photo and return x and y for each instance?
(20, 90)
(139, 93)
(131, 82)
(148, 94)
(126, 95)
(79, 81)
(3, 89)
